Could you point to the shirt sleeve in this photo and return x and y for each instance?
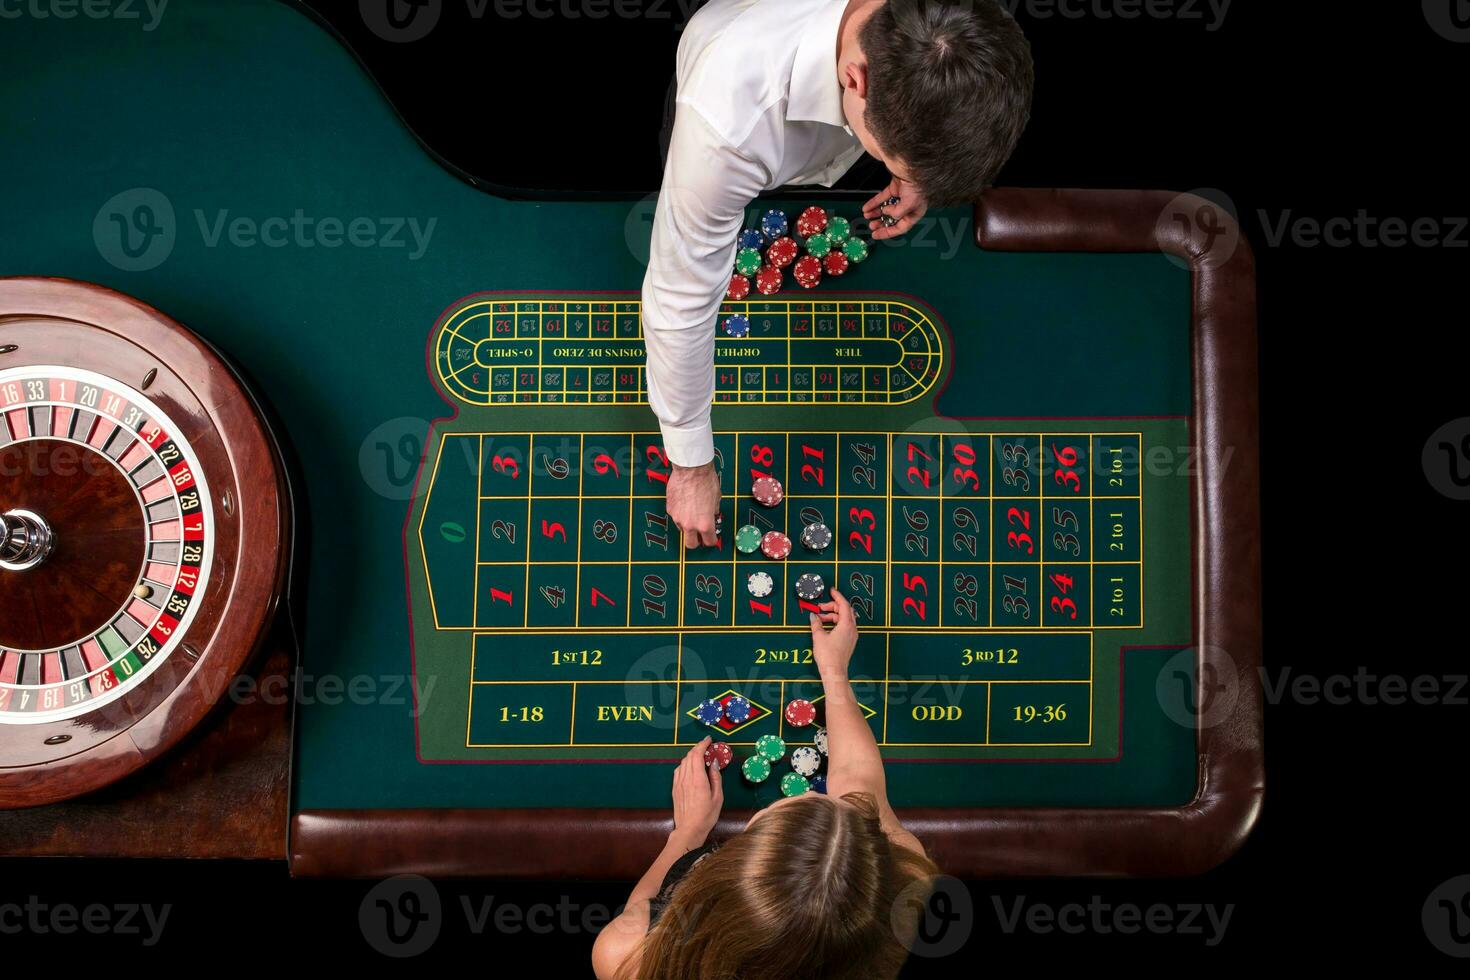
(707, 185)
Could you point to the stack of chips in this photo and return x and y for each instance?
(764, 252)
(816, 537)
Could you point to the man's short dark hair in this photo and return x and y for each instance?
(949, 91)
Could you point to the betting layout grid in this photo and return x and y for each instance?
(574, 530)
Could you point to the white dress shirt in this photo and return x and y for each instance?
(759, 106)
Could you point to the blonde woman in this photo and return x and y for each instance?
(814, 886)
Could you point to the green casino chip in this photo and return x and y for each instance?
(838, 229)
(748, 539)
(794, 784)
(771, 747)
(855, 249)
(756, 769)
(819, 244)
(748, 261)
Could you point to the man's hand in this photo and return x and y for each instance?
(906, 213)
(833, 650)
(693, 503)
(698, 797)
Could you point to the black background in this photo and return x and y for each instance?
(1293, 111)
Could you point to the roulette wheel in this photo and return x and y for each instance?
(144, 523)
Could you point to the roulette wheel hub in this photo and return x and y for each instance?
(25, 540)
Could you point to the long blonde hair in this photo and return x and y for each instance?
(814, 888)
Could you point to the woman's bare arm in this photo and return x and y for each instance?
(854, 764)
(698, 796)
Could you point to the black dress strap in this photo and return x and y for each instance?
(676, 873)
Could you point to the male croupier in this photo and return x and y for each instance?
(778, 92)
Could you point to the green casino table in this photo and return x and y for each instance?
(1031, 430)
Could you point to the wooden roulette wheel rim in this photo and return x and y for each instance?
(155, 502)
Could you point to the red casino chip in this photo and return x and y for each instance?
(720, 754)
(800, 713)
(768, 280)
(767, 491)
(739, 287)
(811, 221)
(783, 252)
(808, 271)
(835, 263)
(775, 545)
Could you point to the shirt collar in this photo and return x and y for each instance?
(816, 95)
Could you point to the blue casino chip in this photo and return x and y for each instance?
(737, 709)
(819, 783)
(709, 712)
(751, 238)
(774, 223)
(738, 325)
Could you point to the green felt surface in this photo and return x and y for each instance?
(276, 204)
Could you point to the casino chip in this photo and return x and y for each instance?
(748, 539)
(773, 225)
(819, 739)
(767, 491)
(838, 229)
(819, 245)
(760, 585)
(808, 271)
(738, 325)
(720, 754)
(811, 221)
(835, 263)
(806, 760)
(810, 587)
(737, 709)
(855, 249)
(748, 261)
(819, 783)
(775, 545)
(783, 252)
(739, 287)
(756, 769)
(768, 280)
(770, 747)
(709, 712)
(800, 713)
(816, 537)
(794, 784)
(752, 238)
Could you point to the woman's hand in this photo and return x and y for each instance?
(911, 206)
(698, 796)
(833, 650)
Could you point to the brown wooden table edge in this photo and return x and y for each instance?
(1225, 516)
